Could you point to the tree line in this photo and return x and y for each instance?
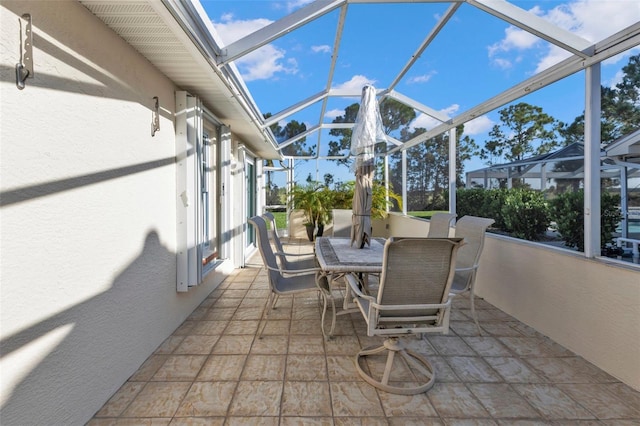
(523, 131)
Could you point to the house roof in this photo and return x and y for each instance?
(178, 37)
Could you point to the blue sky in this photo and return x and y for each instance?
(473, 58)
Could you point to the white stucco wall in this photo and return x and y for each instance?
(87, 217)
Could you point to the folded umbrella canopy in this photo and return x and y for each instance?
(366, 132)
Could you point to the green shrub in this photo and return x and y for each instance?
(524, 213)
(567, 209)
(470, 202)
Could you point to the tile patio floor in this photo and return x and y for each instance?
(214, 370)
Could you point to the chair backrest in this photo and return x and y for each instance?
(271, 220)
(264, 246)
(473, 230)
(440, 224)
(416, 271)
(269, 217)
(342, 219)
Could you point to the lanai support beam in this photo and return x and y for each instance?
(592, 161)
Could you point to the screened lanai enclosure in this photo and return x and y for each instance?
(296, 78)
(312, 126)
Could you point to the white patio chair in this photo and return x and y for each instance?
(299, 261)
(283, 281)
(473, 230)
(413, 298)
(440, 224)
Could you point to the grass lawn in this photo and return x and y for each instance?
(281, 217)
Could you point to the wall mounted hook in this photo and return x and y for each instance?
(24, 68)
(155, 117)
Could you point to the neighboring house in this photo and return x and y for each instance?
(112, 232)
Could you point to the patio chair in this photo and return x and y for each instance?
(413, 298)
(303, 261)
(473, 230)
(283, 281)
(440, 224)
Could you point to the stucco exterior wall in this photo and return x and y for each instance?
(87, 216)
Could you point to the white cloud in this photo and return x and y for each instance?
(615, 80)
(334, 113)
(356, 83)
(262, 63)
(422, 78)
(478, 125)
(592, 20)
(321, 49)
(296, 4)
(427, 122)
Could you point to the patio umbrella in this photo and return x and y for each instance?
(366, 132)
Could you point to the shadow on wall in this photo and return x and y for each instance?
(110, 321)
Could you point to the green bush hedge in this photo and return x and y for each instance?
(568, 211)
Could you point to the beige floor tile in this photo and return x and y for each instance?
(207, 399)
(179, 368)
(415, 421)
(196, 345)
(472, 369)
(487, 346)
(407, 405)
(270, 345)
(222, 367)
(130, 422)
(455, 400)
(568, 370)
(312, 345)
(514, 370)
(526, 346)
(264, 367)
(450, 346)
(209, 328)
(220, 314)
(149, 368)
(307, 327)
(252, 421)
(360, 421)
(248, 314)
(355, 399)
(306, 367)
(121, 399)
(471, 422)
(501, 401)
(343, 345)
(444, 373)
(158, 400)
(242, 327)
(257, 399)
(342, 368)
(552, 402)
(276, 326)
(306, 399)
(169, 345)
(197, 421)
(306, 421)
(600, 401)
(233, 344)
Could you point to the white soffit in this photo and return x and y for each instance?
(152, 30)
